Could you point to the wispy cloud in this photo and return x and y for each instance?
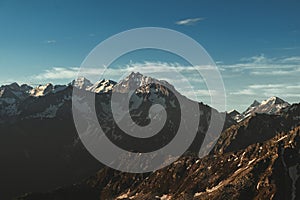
(267, 90)
(260, 77)
(189, 21)
(50, 41)
(256, 65)
(57, 73)
(243, 92)
(263, 66)
(200, 93)
(291, 59)
(288, 48)
(279, 72)
(172, 72)
(264, 86)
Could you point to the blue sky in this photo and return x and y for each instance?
(255, 44)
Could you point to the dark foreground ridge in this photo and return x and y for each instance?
(267, 170)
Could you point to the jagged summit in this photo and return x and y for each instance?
(41, 90)
(233, 114)
(134, 81)
(233, 111)
(134, 74)
(25, 87)
(255, 103)
(137, 80)
(81, 83)
(14, 86)
(273, 100)
(272, 105)
(14, 91)
(102, 86)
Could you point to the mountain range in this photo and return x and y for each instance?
(255, 157)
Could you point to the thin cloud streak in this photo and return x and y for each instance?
(144, 68)
(65, 73)
(263, 66)
(189, 21)
(281, 90)
(50, 41)
(257, 65)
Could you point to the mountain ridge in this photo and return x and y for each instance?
(272, 105)
(49, 139)
(133, 79)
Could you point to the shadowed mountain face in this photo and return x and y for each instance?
(256, 157)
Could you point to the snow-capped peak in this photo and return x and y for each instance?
(271, 106)
(136, 80)
(81, 83)
(102, 86)
(41, 90)
(273, 100)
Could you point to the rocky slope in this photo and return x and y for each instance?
(257, 128)
(266, 170)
